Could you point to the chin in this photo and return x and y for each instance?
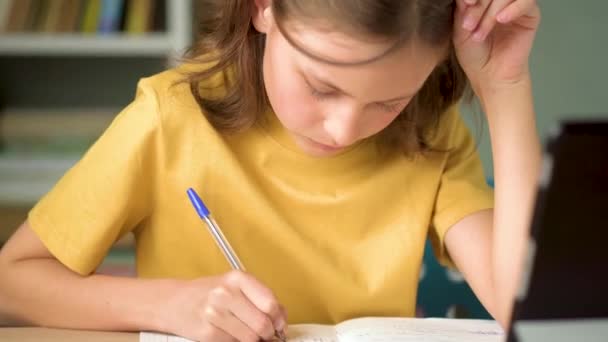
(320, 154)
(318, 150)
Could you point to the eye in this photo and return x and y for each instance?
(319, 95)
(390, 107)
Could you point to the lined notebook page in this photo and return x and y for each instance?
(157, 337)
(407, 329)
(382, 329)
(295, 333)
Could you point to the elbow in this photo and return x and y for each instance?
(4, 296)
(498, 306)
(500, 311)
(503, 321)
(8, 314)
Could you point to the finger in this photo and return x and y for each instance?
(248, 313)
(473, 14)
(460, 34)
(260, 295)
(515, 10)
(284, 314)
(220, 328)
(283, 329)
(463, 4)
(489, 19)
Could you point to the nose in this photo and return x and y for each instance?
(342, 126)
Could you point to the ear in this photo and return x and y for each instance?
(261, 15)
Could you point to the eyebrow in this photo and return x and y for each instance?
(335, 88)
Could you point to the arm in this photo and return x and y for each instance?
(38, 289)
(489, 246)
(516, 148)
(494, 53)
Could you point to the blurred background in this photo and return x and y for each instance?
(68, 66)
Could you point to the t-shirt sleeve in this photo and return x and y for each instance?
(107, 193)
(463, 189)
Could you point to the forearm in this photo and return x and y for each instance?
(44, 292)
(516, 153)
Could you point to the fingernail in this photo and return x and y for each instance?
(478, 36)
(470, 2)
(469, 23)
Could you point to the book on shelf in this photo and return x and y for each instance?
(18, 15)
(110, 16)
(159, 19)
(139, 16)
(69, 17)
(36, 15)
(53, 16)
(83, 16)
(64, 16)
(90, 19)
(5, 9)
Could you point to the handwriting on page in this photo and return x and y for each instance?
(405, 330)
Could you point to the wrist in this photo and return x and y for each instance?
(512, 99)
(156, 311)
(505, 91)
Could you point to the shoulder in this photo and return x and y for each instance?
(166, 88)
(175, 84)
(169, 95)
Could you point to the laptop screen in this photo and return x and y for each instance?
(569, 274)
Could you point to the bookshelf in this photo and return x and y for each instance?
(68, 74)
(33, 44)
(174, 39)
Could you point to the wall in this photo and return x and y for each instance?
(568, 64)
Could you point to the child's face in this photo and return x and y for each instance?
(326, 107)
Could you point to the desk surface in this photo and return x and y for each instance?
(61, 335)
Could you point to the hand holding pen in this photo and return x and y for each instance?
(241, 307)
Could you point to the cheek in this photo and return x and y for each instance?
(288, 97)
(378, 121)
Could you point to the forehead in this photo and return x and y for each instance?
(331, 45)
(405, 64)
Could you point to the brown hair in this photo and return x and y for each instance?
(228, 41)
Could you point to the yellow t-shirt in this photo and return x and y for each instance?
(334, 238)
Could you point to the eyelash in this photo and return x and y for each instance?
(319, 95)
(390, 108)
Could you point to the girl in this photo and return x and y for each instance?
(325, 138)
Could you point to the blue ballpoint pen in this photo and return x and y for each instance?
(220, 239)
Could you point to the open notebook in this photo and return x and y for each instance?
(381, 329)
